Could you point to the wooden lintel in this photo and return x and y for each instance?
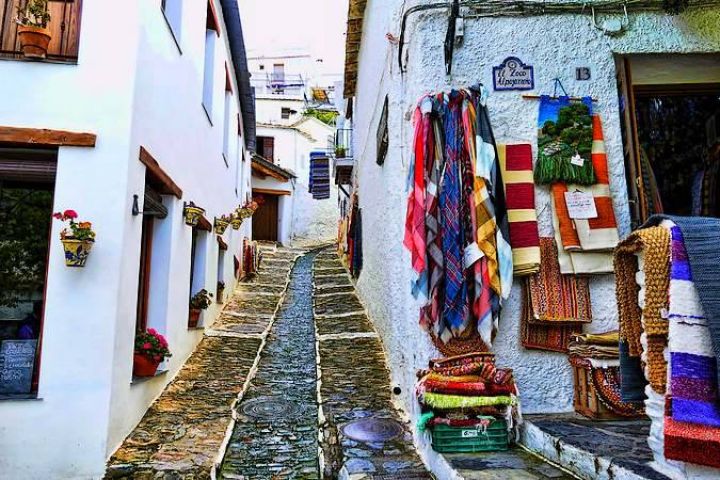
(268, 172)
(271, 191)
(221, 243)
(204, 224)
(46, 137)
(166, 184)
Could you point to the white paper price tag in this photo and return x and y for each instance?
(580, 205)
(577, 160)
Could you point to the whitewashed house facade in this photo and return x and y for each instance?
(145, 99)
(287, 84)
(676, 50)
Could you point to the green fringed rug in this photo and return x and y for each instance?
(564, 142)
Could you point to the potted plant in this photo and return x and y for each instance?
(340, 152)
(220, 291)
(151, 349)
(236, 220)
(200, 301)
(33, 31)
(77, 238)
(192, 214)
(221, 223)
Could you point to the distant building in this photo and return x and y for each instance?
(135, 112)
(295, 117)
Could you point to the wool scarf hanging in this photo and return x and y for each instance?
(654, 243)
(517, 174)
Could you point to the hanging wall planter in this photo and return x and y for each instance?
(198, 302)
(221, 224)
(236, 221)
(192, 214)
(33, 32)
(77, 238)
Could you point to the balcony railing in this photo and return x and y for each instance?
(64, 28)
(343, 143)
(278, 84)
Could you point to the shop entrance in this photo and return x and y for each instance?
(671, 123)
(27, 180)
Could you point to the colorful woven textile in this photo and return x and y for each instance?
(606, 382)
(585, 240)
(415, 229)
(596, 346)
(479, 422)
(564, 141)
(442, 401)
(319, 182)
(693, 367)
(464, 359)
(548, 336)
(466, 388)
(516, 166)
(554, 297)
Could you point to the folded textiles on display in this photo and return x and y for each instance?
(596, 346)
(585, 243)
(467, 391)
(456, 223)
(517, 174)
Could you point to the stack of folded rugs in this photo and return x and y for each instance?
(595, 358)
(468, 403)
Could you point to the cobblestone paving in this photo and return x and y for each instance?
(625, 442)
(515, 464)
(354, 386)
(275, 436)
(183, 431)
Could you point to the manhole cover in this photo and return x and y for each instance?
(265, 407)
(373, 430)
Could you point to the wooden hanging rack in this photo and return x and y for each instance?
(537, 97)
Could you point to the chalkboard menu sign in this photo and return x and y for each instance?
(17, 358)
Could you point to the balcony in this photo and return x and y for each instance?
(278, 84)
(64, 28)
(344, 162)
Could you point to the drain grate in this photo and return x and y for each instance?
(270, 407)
(373, 430)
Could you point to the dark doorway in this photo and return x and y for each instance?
(27, 182)
(265, 220)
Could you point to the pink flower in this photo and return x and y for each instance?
(152, 331)
(71, 214)
(58, 215)
(146, 346)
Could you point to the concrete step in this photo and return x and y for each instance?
(592, 450)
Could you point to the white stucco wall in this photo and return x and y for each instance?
(311, 220)
(554, 45)
(140, 91)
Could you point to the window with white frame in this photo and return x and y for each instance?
(212, 32)
(172, 9)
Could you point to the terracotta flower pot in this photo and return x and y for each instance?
(34, 41)
(76, 251)
(221, 226)
(144, 366)
(192, 215)
(194, 317)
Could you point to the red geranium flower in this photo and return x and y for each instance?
(147, 346)
(71, 214)
(58, 215)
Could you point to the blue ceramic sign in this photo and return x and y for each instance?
(513, 74)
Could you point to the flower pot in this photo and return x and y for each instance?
(192, 215)
(236, 223)
(246, 213)
(194, 317)
(76, 251)
(34, 41)
(144, 366)
(221, 226)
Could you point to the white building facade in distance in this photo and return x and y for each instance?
(135, 113)
(295, 101)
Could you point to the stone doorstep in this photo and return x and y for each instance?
(585, 464)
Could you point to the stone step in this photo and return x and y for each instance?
(592, 450)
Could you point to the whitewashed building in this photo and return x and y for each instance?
(395, 50)
(289, 86)
(138, 100)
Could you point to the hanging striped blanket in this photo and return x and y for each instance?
(517, 173)
(585, 240)
(692, 422)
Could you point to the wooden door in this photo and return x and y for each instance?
(265, 220)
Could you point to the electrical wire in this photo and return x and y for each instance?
(529, 8)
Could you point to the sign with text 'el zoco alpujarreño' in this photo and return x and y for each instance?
(513, 74)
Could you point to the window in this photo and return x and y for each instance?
(212, 31)
(199, 256)
(278, 78)
(144, 278)
(262, 67)
(220, 289)
(266, 148)
(226, 129)
(172, 10)
(285, 113)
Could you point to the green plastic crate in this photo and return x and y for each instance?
(446, 439)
